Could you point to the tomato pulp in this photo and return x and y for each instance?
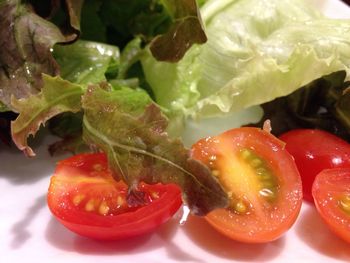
(331, 192)
(261, 179)
(314, 151)
(86, 199)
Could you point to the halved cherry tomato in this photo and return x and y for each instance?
(313, 151)
(85, 198)
(261, 179)
(331, 192)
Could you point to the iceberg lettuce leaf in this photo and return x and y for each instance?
(256, 52)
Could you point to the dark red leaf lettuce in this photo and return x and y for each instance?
(26, 43)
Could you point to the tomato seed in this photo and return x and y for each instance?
(240, 207)
(90, 205)
(77, 199)
(345, 204)
(103, 208)
(120, 201)
(155, 195)
(245, 153)
(256, 162)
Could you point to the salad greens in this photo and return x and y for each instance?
(123, 76)
(322, 104)
(256, 51)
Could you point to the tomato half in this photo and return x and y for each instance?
(331, 192)
(86, 199)
(261, 179)
(313, 151)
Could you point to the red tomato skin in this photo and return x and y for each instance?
(254, 229)
(314, 151)
(329, 187)
(137, 222)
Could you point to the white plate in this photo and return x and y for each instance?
(28, 232)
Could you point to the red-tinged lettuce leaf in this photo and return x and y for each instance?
(57, 96)
(130, 128)
(74, 11)
(186, 30)
(26, 40)
(68, 11)
(322, 104)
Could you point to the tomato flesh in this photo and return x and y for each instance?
(314, 151)
(86, 199)
(331, 193)
(261, 180)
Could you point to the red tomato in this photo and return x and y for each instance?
(85, 198)
(313, 151)
(331, 192)
(261, 179)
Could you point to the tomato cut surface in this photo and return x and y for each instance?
(86, 199)
(261, 179)
(331, 193)
(314, 151)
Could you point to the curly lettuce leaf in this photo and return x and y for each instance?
(26, 41)
(322, 104)
(186, 30)
(57, 96)
(130, 128)
(256, 52)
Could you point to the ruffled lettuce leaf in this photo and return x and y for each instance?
(57, 96)
(256, 51)
(186, 30)
(26, 41)
(130, 129)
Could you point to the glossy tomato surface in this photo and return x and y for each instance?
(314, 151)
(331, 192)
(261, 179)
(85, 198)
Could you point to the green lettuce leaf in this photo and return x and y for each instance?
(85, 62)
(256, 51)
(130, 129)
(57, 96)
(172, 27)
